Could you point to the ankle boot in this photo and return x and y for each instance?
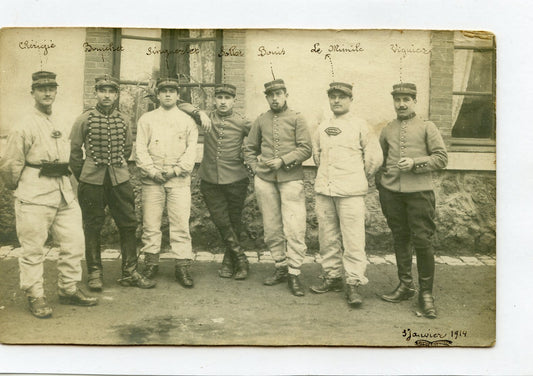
(95, 281)
(151, 265)
(353, 297)
(183, 275)
(328, 284)
(295, 286)
(226, 269)
(280, 275)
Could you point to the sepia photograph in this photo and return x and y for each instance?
(248, 187)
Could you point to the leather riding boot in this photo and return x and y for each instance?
(226, 269)
(328, 284)
(406, 288)
(128, 250)
(352, 295)
(240, 262)
(280, 275)
(151, 265)
(295, 286)
(92, 250)
(402, 292)
(182, 273)
(426, 273)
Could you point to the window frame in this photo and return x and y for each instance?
(487, 144)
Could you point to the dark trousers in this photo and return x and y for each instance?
(225, 203)
(411, 218)
(120, 199)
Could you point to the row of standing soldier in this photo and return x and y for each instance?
(40, 156)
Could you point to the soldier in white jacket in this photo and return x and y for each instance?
(347, 154)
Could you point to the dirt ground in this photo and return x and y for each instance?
(227, 312)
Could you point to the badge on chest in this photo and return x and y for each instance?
(332, 131)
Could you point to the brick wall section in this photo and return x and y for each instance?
(441, 82)
(233, 66)
(94, 64)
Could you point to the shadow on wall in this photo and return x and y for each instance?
(466, 217)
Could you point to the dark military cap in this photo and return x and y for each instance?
(274, 85)
(43, 78)
(106, 80)
(167, 82)
(226, 88)
(404, 88)
(342, 87)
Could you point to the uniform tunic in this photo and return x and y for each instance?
(280, 194)
(166, 139)
(43, 204)
(346, 152)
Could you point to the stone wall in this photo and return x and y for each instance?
(466, 218)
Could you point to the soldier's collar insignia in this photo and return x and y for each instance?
(332, 131)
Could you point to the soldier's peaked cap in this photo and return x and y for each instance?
(226, 89)
(167, 82)
(404, 88)
(43, 78)
(275, 85)
(106, 81)
(342, 87)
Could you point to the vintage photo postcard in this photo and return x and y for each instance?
(248, 187)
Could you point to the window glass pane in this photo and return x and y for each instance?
(475, 118)
(202, 33)
(137, 66)
(151, 33)
(135, 101)
(473, 70)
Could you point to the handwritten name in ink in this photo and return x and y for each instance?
(263, 51)
(30, 44)
(177, 51)
(232, 51)
(338, 48)
(108, 47)
(412, 49)
(443, 337)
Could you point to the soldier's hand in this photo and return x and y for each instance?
(206, 121)
(274, 164)
(406, 164)
(159, 177)
(169, 172)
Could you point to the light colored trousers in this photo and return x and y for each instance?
(34, 222)
(284, 220)
(341, 225)
(178, 202)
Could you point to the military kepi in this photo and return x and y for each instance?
(226, 89)
(167, 82)
(404, 88)
(43, 78)
(106, 81)
(342, 87)
(274, 85)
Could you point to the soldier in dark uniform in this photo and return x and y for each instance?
(225, 178)
(104, 181)
(412, 149)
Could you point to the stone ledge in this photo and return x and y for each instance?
(9, 252)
